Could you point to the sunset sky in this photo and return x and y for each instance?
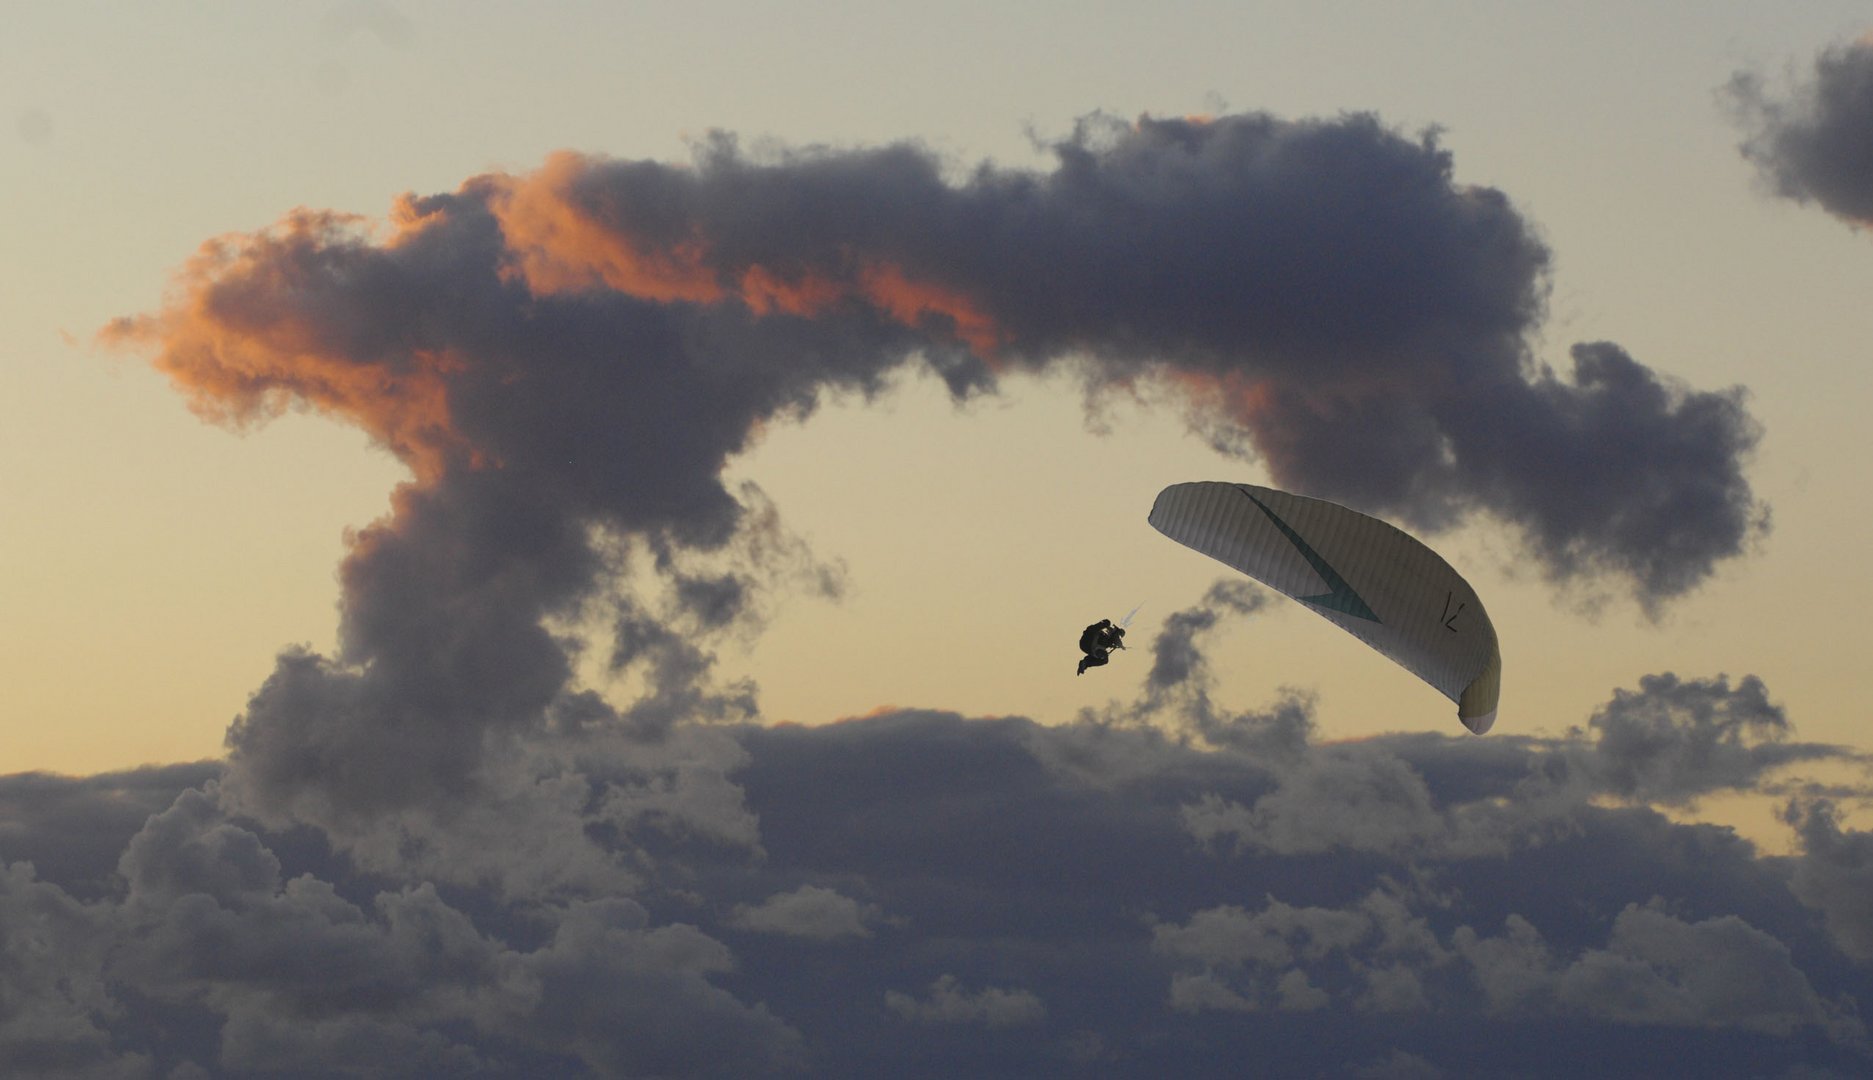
(611, 491)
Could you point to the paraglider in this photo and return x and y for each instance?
(1369, 578)
(1098, 640)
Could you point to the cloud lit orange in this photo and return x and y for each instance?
(560, 244)
(249, 334)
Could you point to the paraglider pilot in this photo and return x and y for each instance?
(1097, 642)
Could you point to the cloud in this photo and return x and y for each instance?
(1277, 947)
(673, 1021)
(1675, 740)
(55, 1006)
(74, 829)
(402, 983)
(1175, 658)
(1657, 969)
(1813, 140)
(573, 814)
(1384, 957)
(1319, 294)
(1045, 889)
(809, 912)
(947, 1002)
(255, 1042)
(1360, 800)
(1669, 743)
(1582, 432)
(1834, 874)
(1177, 691)
(1586, 877)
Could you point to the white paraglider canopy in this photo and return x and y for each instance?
(1366, 576)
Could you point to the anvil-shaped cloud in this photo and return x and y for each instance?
(567, 359)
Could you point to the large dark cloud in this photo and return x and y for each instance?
(1164, 887)
(1813, 141)
(934, 895)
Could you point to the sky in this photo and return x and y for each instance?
(549, 542)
